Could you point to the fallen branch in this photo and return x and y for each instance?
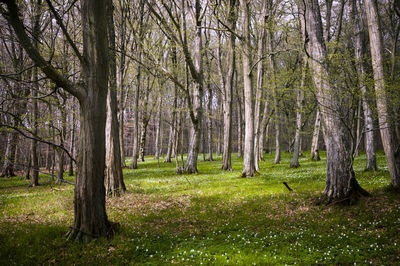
(287, 186)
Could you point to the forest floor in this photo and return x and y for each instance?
(213, 217)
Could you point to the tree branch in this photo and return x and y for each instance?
(12, 16)
(64, 30)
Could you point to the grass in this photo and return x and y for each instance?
(213, 217)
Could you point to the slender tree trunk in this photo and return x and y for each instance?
(240, 121)
(228, 91)
(248, 161)
(34, 93)
(387, 129)
(114, 183)
(263, 129)
(299, 112)
(143, 133)
(158, 131)
(209, 123)
(172, 133)
(260, 82)
(196, 105)
(340, 178)
(314, 156)
(9, 158)
(35, 161)
(277, 122)
(358, 129)
(136, 95)
(366, 102)
(72, 148)
(136, 118)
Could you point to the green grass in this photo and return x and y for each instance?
(213, 217)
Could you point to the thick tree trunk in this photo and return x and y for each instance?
(340, 178)
(387, 129)
(90, 219)
(248, 161)
(314, 156)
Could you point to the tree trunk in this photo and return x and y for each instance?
(299, 112)
(158, 131)
(314, 156)
(195, 105)
(72, 148)
(387, 129)
(340, 178)
(136, 118)
(90, 218)
(228, 89)
(248, 161)
(114, 183)
(143, 133)
(239, 121)
(172, 129)
(272, 67)
(34, 160)
(9, 158)
(60, 165)
(260, 80)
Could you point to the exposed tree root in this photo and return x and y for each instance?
(78, 235)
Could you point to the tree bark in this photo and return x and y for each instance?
(90, 219)
(114, 182)
(248, 160)
(72, 148)
(299, 112)
(195, 107)
(158, 131)
(340, 178)
(272, 68)
(228, 90)
(387, 129)
(260, 80)
(314, 155)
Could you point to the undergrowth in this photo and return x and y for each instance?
(213, 217)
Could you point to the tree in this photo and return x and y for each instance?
(228, 84)
(114, 182)
(248, 160)
(341, 182)
(366, 101)
(260, 83)
(179, 34)
(90, 218)
(299, 111)
(388, 135)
